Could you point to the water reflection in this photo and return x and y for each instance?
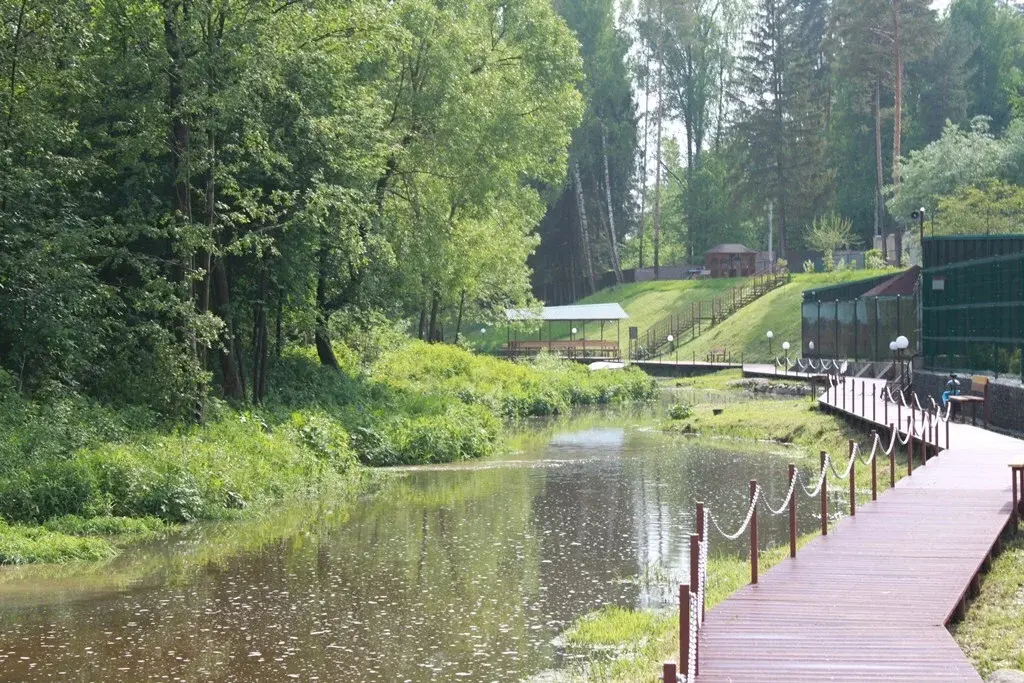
(460, 573)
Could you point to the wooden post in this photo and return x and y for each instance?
(874, 467)
(892, 460)
(924, 441)
(863, 398)
(1013, 512)
(910, 447)
(792, 513)
(947, 430)
(702, 535)
(684, 626)
(899, 413)
(844, 392)
(753, 534)
(824, 497)
(668, 672)
(853, 477)
(695, 582)
(885, 408)
(874, 403)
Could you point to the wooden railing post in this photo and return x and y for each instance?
(792, 512)
(892, 459)
(874, 403)
(824, 497)
(874, 466)
(853, 477)
(924, 440)
(684, 626)
(1014, 513)
(863, 399)
(899, 412)
(695, 582)
(668, 673)
(910, 446)
(947, 429)
(702, 535)
(885, 409)
(753, 533)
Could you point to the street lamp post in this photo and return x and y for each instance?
(770, 335)
(675, 348)
(919, 215)
(785, 347)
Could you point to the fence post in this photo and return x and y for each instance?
(1014, 513)
(702, 535)
(899, 413)
(792, 512)
(947, 426)
(874, 466)
(853, 477)
(892, 460)
(668, 672)
(844, 391)
(753, 533)
(684, 626)
(863, 398)
(874, 403)
(695, 582)
(885, 409)
(824, 497)
(910, 447)
(924, 441)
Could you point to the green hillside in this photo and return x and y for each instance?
(649, 302)
(744, 333)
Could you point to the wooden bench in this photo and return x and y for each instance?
(979, 385)
(717, 355)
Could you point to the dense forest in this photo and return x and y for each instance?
(795, 112)
(188, 188)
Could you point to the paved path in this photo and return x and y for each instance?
(870, 601)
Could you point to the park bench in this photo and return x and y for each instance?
(979, 394)
(717, 355)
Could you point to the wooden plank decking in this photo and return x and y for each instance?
(870, 601)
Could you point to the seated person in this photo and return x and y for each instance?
(952, 389)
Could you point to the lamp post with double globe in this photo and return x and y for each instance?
(785, 347)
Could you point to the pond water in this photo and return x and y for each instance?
(455, 573)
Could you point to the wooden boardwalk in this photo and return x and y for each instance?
(870, 601)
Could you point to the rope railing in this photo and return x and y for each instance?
(816, 486)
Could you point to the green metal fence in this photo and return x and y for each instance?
(973, 303)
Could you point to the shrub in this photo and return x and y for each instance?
(808, 266)
(873, 259)
(680, 411)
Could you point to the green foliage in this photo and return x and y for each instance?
(991, 207)
(133, 528)
(809, 266)
(34, 544)
(829, 233)
(680, 411)
(873, 259)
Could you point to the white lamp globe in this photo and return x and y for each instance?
(483, 330)
(574, 330)
(785, 346)
(892, 346)
(810, 345)
(770, 334)
(671, 338)
(902, 342)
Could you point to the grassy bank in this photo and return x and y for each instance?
(78, 480)
(992, 634)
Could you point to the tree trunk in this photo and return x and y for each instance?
(322, 336)
(261, 345)
(616, 265)
(643, 163)
(435, 306)
(234, 385)
(897, 116)
(584, 230)
(657, 163)
(423, 321)
(458, 320)
(879, 172)
(279, 336)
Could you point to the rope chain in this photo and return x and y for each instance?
(821, 479)
(784, 508)
(746, 522)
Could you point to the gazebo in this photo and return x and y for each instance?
(577, 345)
(730, 260)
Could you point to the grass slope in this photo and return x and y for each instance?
(779, 311)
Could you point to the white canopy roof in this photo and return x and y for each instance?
(600, 312)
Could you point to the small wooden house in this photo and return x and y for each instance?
(730, 260)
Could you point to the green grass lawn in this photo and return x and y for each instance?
(744, 333)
